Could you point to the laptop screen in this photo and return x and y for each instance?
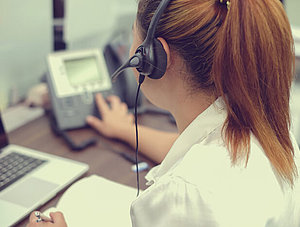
(3, 137)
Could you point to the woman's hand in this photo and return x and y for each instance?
(57, 217)
(115, 119)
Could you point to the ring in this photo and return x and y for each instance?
(38, 220)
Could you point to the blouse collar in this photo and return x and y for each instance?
(205, 123)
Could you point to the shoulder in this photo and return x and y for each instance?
(249, 189)
(205, 182)
(204, 165)
(210, 165)
(171, 201)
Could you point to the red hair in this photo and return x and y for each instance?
(246, 55)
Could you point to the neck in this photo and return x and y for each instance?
(187, 107)
(177, 96)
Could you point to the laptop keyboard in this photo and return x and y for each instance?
(14, 166)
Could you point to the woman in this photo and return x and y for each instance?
(227, 84)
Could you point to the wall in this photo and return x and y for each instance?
(25, 38)
(86, 18)
(293, 9)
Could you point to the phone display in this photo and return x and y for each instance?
(76, 68)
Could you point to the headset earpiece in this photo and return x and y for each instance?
(154, 59)
(160, 58)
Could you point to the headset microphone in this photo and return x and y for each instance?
(134, 61)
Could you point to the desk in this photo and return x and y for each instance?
(102, 161)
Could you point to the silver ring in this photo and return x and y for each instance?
(39, 220)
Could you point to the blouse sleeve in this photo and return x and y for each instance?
(171, 202)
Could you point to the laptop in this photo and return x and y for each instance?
(29, 178)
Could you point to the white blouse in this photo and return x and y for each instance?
(196, 184)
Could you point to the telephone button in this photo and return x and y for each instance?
(68, 102)
(87, 98)
(69, 113)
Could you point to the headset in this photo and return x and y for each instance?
(150, 58)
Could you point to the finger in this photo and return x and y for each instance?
(57, 217)
(114, 101)
(124, 107)
(33, 220)
(101, 104)
(32, 216)
(95, 123)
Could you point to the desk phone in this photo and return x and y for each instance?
(74, 77)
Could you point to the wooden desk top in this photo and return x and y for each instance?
(100, 157)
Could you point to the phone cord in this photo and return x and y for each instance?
(141, 80)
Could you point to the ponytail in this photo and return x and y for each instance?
(243, 51)
(253, 70)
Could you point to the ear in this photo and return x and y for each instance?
(167, 50)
